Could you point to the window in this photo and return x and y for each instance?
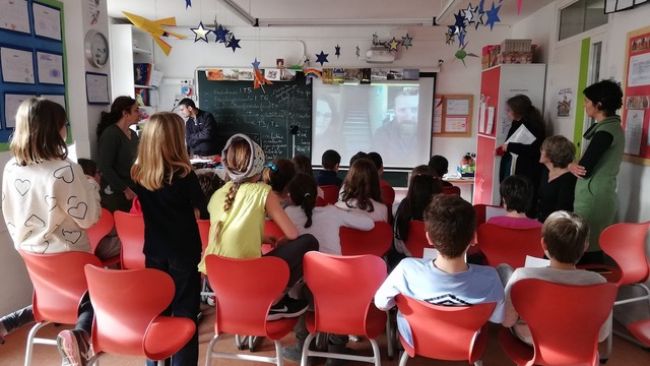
(581, 16)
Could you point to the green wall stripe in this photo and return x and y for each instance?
(580, 103)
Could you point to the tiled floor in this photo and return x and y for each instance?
(11, 353)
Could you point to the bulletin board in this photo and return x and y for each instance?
(32, 57)
(636, 100)
(452, 115)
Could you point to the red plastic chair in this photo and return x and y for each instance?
(350, 283)
(417, 239)
(204, 232)
(387, 196)
(564, 322)
(481, 213)
(59, 285)
(358, 242)
(127, 305)
(508, 245)
(641, 331)
(245, 290)
(451, 333)
(98, 231)
(451, 190)
(271, 229)
(130, 230)
(331, 195)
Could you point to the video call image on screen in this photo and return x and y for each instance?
(389, 118)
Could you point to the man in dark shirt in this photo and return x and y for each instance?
(328, 176)
(200, 130)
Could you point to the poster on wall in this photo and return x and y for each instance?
(17, 66)
(14, 15)
(564, 102)
(636, 102)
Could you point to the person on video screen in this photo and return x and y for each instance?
(397, 140)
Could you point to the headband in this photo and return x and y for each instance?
(255, 163)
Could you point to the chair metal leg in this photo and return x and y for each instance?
(208, 356)
(278, 353)
(305, 349)
(478, 363)
(30, 341)
(402, 360)
(375, 351)
(160, 363)
(390, 340)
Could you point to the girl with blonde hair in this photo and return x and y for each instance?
(171, 200)
(237, 214)
(47, 202)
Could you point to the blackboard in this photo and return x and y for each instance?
(265, 116)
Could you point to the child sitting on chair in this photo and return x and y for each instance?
(278, 174)
(564, 240)
(516, 194)
(448, 279)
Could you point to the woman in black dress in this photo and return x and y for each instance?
(557, 186)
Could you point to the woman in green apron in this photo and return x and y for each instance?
(595, 194)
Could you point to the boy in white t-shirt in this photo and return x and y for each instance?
(564, 239)
(447, 280)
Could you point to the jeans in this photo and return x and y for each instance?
(185, 303)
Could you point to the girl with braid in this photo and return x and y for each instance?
(237, 212)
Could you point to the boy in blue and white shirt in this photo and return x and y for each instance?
(447, 280)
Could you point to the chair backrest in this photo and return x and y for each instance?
(376, 241)
(417, 239)
(125, 303)
(204, 232)
(130, 230)
(564, 320)
(451, 190)
(387, 196)
(625, 243)
(445, 332)
(343, 282)
(507, 245)
(331, 194)
(101, 228)
(59, 283)
(244, 291)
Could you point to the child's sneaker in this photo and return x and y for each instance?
(287, 308)
(74, 347)
(210, 301)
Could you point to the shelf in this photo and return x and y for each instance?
(141, 51)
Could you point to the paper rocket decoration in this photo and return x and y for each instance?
(461, 54)
(337, 51)
(258, 76)
(221, 34)
(321, 58)
(188, 4)
(493, 16)
(201, 33)
(233, 43)
(155, 29)
(256, 64)
(407, 41)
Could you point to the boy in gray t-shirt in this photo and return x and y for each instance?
(447, 280)
(564, 240)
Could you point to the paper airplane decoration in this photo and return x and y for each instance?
(155, 29)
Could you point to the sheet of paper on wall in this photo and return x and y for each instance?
(50, 68)
(457, 107)
(97, 88)
(60, 99)
(47, 21)
(437, 115)
(633, 130)
(522, 136)
(12, 102)
(481, 117)
(14, 15)
(429, 253)
(490, 120)
(17, 66)
(536, 262)
(456, 124)
(639, 72)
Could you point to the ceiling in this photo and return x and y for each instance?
(312, 11)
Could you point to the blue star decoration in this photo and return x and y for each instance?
(233, 43)
(481, 6)
(407, 41)
(461, 38)
(256, 64)
(337, 51)
(469, 14)
(460, 20)
(493, 16)
(221, 34)
(321, 57)
(188, 4)
(201, 33)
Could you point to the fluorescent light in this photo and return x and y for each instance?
(343, 22)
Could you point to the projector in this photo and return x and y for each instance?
(379, 55)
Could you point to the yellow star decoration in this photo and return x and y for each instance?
(392, 45)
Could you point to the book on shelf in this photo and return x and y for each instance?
(142, 73)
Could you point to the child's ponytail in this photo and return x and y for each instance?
(302, 190)
(230, 197)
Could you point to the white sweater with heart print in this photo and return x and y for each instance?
(47, 206)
